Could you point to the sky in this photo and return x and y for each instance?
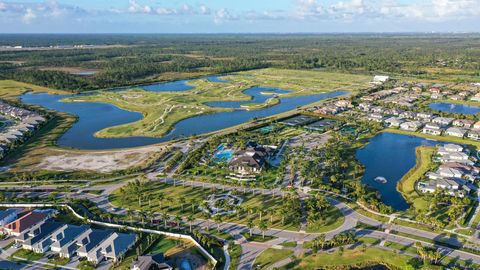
(238, 16)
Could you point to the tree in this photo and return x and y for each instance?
(263, 227)
(250, 226)
(190, 220)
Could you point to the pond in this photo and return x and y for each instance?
(391, 156)
(93, 117)
(454, 108)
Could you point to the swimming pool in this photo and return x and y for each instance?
(222, 154)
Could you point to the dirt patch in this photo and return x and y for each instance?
(103, 162)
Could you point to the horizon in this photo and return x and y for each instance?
(253, 17)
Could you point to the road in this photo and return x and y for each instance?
(251, 250)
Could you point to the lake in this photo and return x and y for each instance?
(454, 108)
(94, 117)
(391, 156)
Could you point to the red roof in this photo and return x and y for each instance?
(26, 222)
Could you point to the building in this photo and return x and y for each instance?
(451, 187)
(40, 239)
(474, 135)
(394, 122)
(456, 132)
(411, 126)
(151, 262)
(476, 125)
(105, 244)
(376, 117)
(64, 240)
(7, 216)
(444, 121)
(246, 164)
(432, 129)
(463, 123)
(30, 221)
(379, 80)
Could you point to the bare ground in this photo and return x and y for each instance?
(103, 162)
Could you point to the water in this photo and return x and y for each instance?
(454, 108)
(222, 154)
(84, 73)
(391, 156)
(94, 117)
(256, 94)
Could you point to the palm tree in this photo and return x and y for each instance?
(250, 226)
(160, 197)
(321, 240)
(178, 220)
(190, 220)
(218, 219)
(263, 227)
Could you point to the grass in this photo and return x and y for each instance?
(169, 199)
(86, 265)
(349, 258)
(271, 256)
(289, 244)
(235, 251)
(27, 255)
(333, 219)
(58, 261)
(410, 249)
(406, 185)
(11, 89)
(257, 237)
(161, 110)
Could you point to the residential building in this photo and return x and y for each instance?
(394, 121)
(463, 123)
(64, 239)
(151, 262)
(411, 126)
(39, 240)
(104, 244)
(476, 125)
(456, 132)
(375, 117)
(7, 216)
(474, 134)
(29, 221)
(444, 121)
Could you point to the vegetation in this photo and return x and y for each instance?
(271, 256)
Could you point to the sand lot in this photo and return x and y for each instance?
(104, 162)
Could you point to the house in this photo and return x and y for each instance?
(432, 129)
(7, 216)
(476, 97)
(344, 103)
(375, 117)
(474, 135)
(476, 125)
(444, 121)
(456, 97)
(39, 240)
(449, 148)
(408, 115)
(31, 220)
(424, 116)
(64, 239)
(151, 262)
(463, 123)
(435, 90)
(451, 187)
(456, 157)
(365, 106)
(411, 126)
(456, 132)
(436, 96)
(104, 244)
(251, 160)
(394, 122)
(379, 80)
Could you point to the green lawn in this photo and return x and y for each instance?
(349, 258)
(289, 244)
(406, 186)
(59, 261)
(169, 198)
(235, 251)
(161, 110)
(10, 89)
(27, 255)
(163, 246)
(257, 237)
(333, 219)
(271, 256)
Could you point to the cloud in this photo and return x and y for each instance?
(3, 6)
(29, 16)
(430, 10)
(134, 7)
(204, 10)
(223, 15)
